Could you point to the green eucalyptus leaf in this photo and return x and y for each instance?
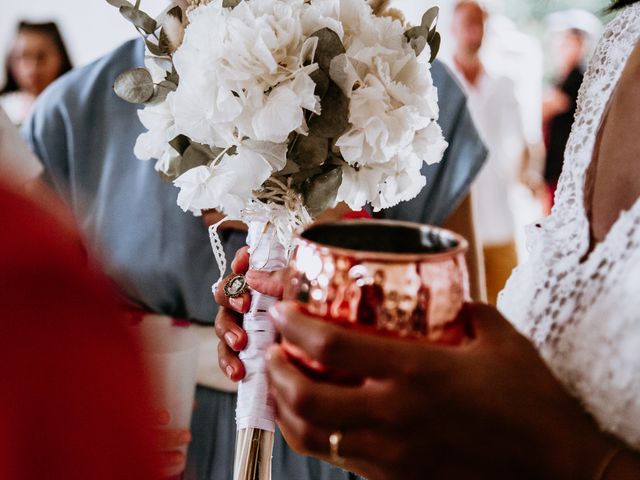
(304, 175)
(432, 34)
(320, 193)
(155, 49)
(164, 43)
(197, 155)
(329, 46)
(134, 86)
(336, 160)
(172, 31)
(435, 46)
(139, 19)
(322, 81)
(176, 12)
(310, 151)
(430, 17)
(167, 85)
(180, 143)
(289, 169)
(334, 119)
(119, 3)
(417, 37)
(274, 153)
(173, 77)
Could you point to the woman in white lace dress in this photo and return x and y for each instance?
(496, 409)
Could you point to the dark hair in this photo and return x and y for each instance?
(618, 4)
(51, 30)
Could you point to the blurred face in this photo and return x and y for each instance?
(35, 62)
(468, 28)
(568, 49)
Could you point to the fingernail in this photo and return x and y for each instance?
(229, 371)
(237, 303)
(231, 339)
(274, 311)
(185, 437)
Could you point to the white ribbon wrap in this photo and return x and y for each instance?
(267, 253)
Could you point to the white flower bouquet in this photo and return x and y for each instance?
(273, 111)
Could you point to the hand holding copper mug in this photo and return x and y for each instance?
(488, 408)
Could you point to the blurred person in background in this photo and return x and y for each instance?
(74, 402)
(37, 58)
(494, 108)
(573, 32)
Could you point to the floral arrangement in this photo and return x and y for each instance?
(273, 111)
(322, 96)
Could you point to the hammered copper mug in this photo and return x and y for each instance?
(381, 276)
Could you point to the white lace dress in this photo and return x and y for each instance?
(584, 317)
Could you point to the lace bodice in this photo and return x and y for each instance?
(584, 316)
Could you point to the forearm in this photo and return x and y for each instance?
(625, 465)
(583, 451)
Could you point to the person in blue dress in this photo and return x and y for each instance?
(160, 257)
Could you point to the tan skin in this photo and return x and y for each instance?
(35, 62)
(490, 409)
(468, 28)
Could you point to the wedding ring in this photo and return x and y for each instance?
(334, 448)
(235, 286)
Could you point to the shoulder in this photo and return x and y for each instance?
(452, 99)
(449, 89)
(78, 97)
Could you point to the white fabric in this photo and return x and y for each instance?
(16, 160)
(17, 105)
(585, 317)
(495, 111)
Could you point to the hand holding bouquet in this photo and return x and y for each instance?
(273, 111)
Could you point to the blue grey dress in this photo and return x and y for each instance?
(158, 256)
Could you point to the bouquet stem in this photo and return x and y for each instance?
(253, 454)
(255, 414)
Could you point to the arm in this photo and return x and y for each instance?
(427, 411)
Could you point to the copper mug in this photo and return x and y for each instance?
(381, 276)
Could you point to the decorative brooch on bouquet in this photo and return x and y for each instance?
(272, 111)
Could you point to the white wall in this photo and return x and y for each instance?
(90, 27)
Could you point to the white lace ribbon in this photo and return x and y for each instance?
(218, 251)
(268, 253)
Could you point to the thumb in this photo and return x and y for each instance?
(486, 322)
(267, 283)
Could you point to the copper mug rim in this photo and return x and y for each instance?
(362, 255)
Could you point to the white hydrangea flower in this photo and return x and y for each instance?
(227, 186)
(245, 82)
(159, 121)
(392, 113)
(246, 78)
